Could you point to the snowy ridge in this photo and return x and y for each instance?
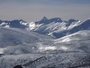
(14, 24)
(54, 27)
(57, 28)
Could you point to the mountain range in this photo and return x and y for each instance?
(47, 43)
(54, 27)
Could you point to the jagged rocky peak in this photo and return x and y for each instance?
(18, 21)
(72, 20)
(56, 19)
(18, 24)
(45, 20)
(14, 23)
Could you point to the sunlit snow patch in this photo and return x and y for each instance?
(32, 25)
(44, 48)
(64, 48)
(2, 50)
(74, 24)
(66, 39)
(23, 23)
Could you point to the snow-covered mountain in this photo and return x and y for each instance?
(48, 43)
(54, 27)
(76, 41)
(14, 24)
(57, 28)
(21, 41)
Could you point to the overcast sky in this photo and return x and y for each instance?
(32, 10)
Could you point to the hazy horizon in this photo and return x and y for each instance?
(32, 10)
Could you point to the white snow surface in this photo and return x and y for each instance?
(34, 50)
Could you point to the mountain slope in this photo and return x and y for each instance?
(82, 26)
(78, 41)
(15, 41)
(30, 49)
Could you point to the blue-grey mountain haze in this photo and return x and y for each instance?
(32, 10)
